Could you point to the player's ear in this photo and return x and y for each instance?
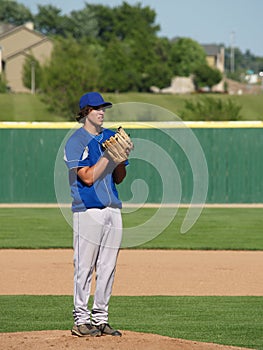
(87, 111)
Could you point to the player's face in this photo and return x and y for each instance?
(96, 116)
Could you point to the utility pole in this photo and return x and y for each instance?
(33, 78)
(232, 52)
(0, 59)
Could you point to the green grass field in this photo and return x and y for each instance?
(216, 228)
(27, 107)
(223, 320)
(219, 319)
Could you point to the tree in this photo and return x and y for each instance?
(82, 23)
(242, 63)
(144, 17)
(104, 17)
(186, 55)
(72, 70)
(131, 58)
(133, 65)
(205, 75)
(150, 61)
(32, 63)
(14, 13)
(49, 20)
(161, 72)
(119, 22)
(118, 72)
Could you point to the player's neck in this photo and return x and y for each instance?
(92, 128)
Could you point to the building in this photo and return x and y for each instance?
(16, 43)
(215, 57)
(180, 85)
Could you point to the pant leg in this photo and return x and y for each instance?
(106, 265)
(88, 228)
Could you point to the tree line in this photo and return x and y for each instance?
(110, 49)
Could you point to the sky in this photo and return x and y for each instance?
(230, 22)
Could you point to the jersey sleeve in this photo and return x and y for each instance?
(76, 154)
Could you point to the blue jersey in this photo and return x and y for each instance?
(84, 149)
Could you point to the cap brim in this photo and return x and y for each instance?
(107, 105)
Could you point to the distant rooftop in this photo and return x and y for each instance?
(5, 27)
(211, 49)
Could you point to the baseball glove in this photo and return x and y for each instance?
(118, 147)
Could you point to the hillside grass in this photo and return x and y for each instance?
(27, 107)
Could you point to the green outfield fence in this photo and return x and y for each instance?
(233, 152)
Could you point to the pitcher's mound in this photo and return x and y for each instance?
(63, 340)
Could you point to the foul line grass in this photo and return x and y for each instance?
(216, 229)
(224, 320)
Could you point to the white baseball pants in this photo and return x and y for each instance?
(97, 239)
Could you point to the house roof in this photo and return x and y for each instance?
(211, 49)
(25, 49)
(16, 29)
(5, 27)
(12, 30)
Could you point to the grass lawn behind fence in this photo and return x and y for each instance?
(27, 107)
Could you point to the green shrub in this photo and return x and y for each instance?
(205, 75)
(30, 64)
(3, 86)
(211, 109)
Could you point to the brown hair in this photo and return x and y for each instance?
(83, 113)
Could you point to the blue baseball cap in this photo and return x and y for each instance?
(93, 99)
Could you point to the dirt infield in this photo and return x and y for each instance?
(139, 272)
(62, 340)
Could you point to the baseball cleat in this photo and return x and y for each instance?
(106, 329)
(85, 330)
